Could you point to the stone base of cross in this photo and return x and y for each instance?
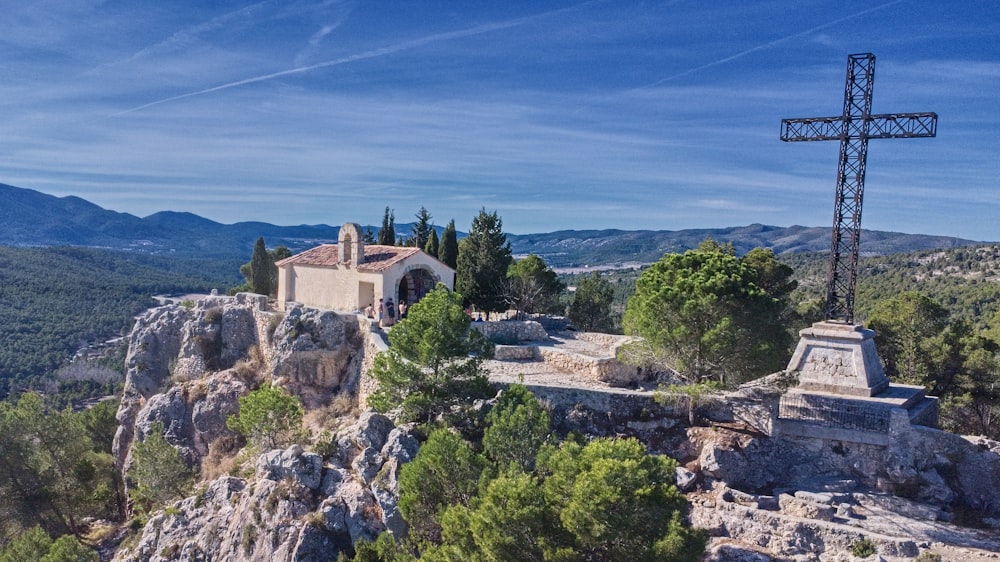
(838, 358)
(843, 393)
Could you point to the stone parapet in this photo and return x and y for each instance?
(511, 331)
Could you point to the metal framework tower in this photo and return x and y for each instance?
(853, 129)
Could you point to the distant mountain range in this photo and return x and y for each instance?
(32, 218)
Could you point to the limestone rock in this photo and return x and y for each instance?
(170, 410)
(193, 414)
(369, 432)
(367, 463)
(685, 479)
(154, 342)
(295, 507)
(317, 354)
(733, 553)
(302, 467)
(360, 505)
(805, 508)
(401, 444)
(214, 400)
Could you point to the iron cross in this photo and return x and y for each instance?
(853, 129)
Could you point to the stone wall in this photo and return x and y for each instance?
(374, 343)
(511, 331)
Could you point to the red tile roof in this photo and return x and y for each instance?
(377, 258)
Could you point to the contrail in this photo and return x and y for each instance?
(388, 50)
(770, 44)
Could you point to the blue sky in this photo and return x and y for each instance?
(558, 115)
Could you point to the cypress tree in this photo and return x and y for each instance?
(431, 248)
(260, 269)
(387, 235)
(448, 248)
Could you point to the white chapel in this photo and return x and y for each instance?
(349, 275)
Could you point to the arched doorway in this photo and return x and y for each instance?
(415, 284)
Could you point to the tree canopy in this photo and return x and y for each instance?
(261, 265)
(36, 544)
(532, 286)
(434, 361)
(158, 471)
(432, 245)
(268, 417)
(590, 309)
(535, 500)
(51, 473)
(422, 228)
(921, 344)
(260, 269)
(704, 314)
(484, 257)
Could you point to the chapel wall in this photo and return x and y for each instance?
(317, 287)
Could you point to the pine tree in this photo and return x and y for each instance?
(422, 228)
(590, 310)
(484, 257)
(158, 471)
(260, 269)
(387, 234)
(448, 249)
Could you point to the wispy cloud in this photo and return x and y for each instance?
(774, 43)
(532, 111)
(373, 53)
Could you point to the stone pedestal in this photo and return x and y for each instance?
(844, 395)
(838, 358)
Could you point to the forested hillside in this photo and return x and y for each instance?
(56, 300)
(576, 248)
(966, 281)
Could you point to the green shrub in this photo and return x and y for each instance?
(863, 548)
(269, 418)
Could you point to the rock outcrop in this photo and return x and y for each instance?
(763, 496)
(187, 366)
(298, 506)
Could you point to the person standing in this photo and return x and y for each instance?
(390, 312)
(380, 312)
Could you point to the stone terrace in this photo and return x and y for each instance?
(562, 359)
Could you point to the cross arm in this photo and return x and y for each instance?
(885, 126)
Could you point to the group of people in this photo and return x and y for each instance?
(386, 312)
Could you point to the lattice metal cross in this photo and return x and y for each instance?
(853, 129)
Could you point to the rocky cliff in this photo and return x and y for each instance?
(187, 367)
(297, 505)
(762, 496)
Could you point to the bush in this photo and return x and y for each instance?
(269, 418)
(863, 548)
(157, 470)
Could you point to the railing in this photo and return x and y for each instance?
(832, 412)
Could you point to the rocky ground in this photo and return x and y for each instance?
(815, 521)
(762, 498)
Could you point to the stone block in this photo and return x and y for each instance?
(804, 508)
